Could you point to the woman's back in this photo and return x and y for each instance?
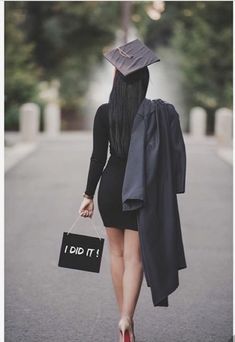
(112, 176)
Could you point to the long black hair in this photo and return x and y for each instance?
(126, 95)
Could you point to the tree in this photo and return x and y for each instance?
(204, 39)
(20, 70)
(69, 38)
(200, 33)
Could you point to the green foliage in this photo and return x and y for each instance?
(62, 40)
(69, 38)
(20, 71)
(204, 39)
(207, 52)
(12, 118)
(200, 33)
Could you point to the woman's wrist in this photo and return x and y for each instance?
(87, 196)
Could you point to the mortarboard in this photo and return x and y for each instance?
(131, 57)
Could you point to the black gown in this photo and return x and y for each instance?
(111, 177)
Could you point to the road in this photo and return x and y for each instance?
(47, 303)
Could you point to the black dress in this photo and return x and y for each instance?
(111, 177)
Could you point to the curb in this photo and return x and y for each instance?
(226, 154)
(14, 154)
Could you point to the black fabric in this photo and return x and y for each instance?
(111, 177)
(131, 57)
(100, 149)
(155, 173)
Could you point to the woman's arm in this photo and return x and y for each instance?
(99, 154)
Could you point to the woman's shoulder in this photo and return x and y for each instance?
(102, 111)
(101, 115)
(168, 107)
(163, 102)
(103, 108)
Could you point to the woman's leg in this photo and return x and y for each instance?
(133, 272)
(116, 249)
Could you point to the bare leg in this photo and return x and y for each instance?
(133, 272)
(116, 249)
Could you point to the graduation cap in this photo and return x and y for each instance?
(131, 57)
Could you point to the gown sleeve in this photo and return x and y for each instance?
(99, 153)
(178, 153)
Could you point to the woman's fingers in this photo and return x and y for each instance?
(86, 209)
(86, 213)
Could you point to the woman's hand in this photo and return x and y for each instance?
(87, 208)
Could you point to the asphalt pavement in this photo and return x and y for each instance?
(47, 303)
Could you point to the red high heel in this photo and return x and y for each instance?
(126, 329)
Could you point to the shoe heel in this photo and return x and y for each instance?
(127, 336)
(126, 330)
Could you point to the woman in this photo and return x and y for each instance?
(113, 122)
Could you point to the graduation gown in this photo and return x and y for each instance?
(155, 172)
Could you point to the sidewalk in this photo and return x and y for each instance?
(46, 303)
(16, 150)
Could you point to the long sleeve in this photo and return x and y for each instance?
(99, 154)
(178, 153)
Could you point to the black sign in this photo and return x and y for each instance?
(81, 252)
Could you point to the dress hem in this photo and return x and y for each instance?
(120, 226)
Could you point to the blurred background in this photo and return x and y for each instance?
(55, 78)
(64, 42)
